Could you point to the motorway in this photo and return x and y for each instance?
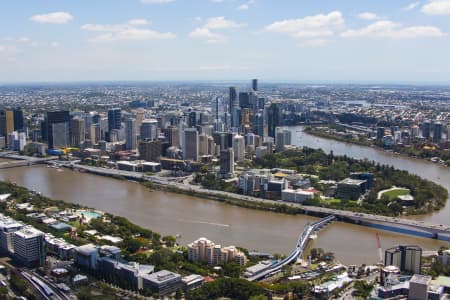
(183, 183)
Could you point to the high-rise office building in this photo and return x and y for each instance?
(58, 129)
(114, 119)
(232, 99)
(172, 136)
(190, 149)
(255, 85)
(150, 150)
(273, 119)
(227, 163)
(406, 258)
(95, 133)
(6, 123)
(258, 123)
(130, 134)
(426, 129)
(437, 132)
(239, 148)
(244, 100)
(192, 119)
(149, 129)
(18, 119)
(223, 139)
(283, 138)
(203, 143)
(77, 132)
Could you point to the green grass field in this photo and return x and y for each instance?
(395, 193)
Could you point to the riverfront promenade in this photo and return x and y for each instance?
(400, 225)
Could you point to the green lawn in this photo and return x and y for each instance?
(395, 193)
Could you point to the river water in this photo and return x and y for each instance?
(192, 217)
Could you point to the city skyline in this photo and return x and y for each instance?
(160, 40)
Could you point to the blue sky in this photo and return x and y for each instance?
(295, 40)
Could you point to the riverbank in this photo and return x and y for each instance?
(393, 224)
(192, 217)
(398, 151)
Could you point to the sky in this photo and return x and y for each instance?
(284, 40)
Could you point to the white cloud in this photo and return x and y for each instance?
(59, 17)
(246, 6)
(368, 16)
(411, 6)
(437, 7)
(125, 32)
(222, 23)
(157, 1)
(389, 29)
(216, 1)
(2, 48)
(243, 7)
(139, 22)
(310, 26)
(206, 32)
(55, 44)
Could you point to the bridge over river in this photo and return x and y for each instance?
(298, 250)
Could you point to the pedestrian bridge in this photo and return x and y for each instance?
(298, 250)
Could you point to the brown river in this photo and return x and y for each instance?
(193, 217)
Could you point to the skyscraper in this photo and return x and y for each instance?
(273, 119)
(150, 150)
(18, 119)
(255, 85)
(95, 133)
(77, 132)
(172, 136)
(58, 129)
(283, 138)
(114, 117)
(239, 148)
(6, 123)
(130, 134)
(149, 129)
(190, 149)
(227, 163)
(426, 129)
(437, 132)
(232, 99)
(203, 144)
(258, 123)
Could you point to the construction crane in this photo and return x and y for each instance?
(380, 251)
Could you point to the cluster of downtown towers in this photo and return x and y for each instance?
(241, 118)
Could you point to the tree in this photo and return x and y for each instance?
(362, 289)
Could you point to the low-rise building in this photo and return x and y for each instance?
(351, 189)
(418, 287)
(296, 196)
(163, 282)
(86, 256)
(29, 246)
(193, 281)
